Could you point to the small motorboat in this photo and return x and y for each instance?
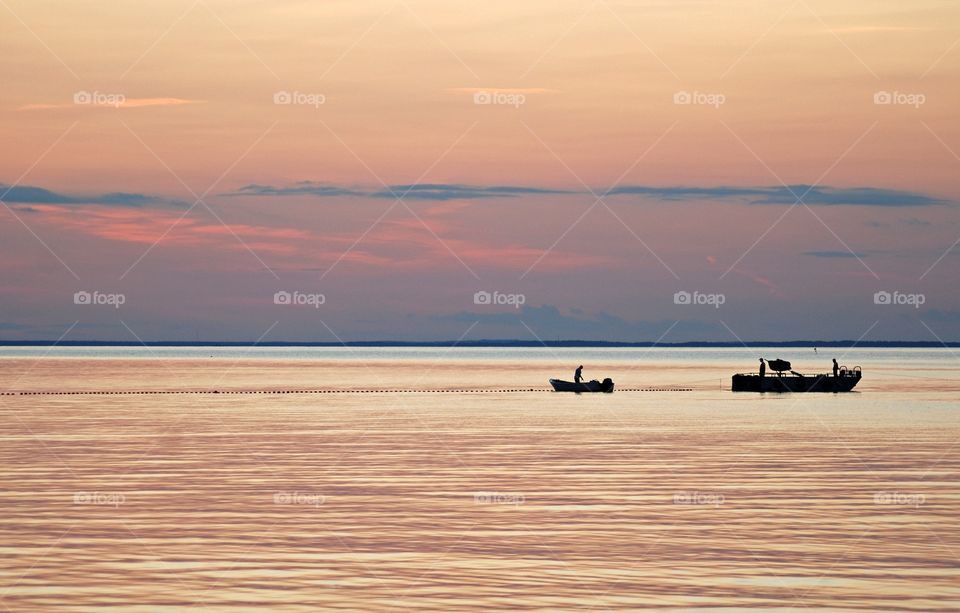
(845, 380)
(606, 386)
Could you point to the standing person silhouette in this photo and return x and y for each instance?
(836, 368)
(763, 368)
(577, 377)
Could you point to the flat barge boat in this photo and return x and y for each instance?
(844, 380)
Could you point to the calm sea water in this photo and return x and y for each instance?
(417, 500)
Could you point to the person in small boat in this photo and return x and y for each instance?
(763, 368)
(578, 376)
(836, 368)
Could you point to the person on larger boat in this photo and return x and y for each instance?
(836, 368)
(763, 368)
(577, 376)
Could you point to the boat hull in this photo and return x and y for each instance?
(816, 383)
(584, 386)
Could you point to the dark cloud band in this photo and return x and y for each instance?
(783, 195)
(25, 194)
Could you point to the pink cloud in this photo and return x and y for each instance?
(401, 244)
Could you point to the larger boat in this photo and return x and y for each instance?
(845, 380)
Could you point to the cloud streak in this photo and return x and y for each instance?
(835, 254)
(787, 195)
(769, 195)
(444, 192)
(129, 103)
(438, 192)
(25, 194)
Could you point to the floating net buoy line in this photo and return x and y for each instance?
(323, 391)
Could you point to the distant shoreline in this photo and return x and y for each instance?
(503, 344)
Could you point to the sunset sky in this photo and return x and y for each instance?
(197, 157)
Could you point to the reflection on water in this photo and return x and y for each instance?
(688, 501)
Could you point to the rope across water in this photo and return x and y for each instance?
(323, 391)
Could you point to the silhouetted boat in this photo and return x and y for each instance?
(845, 381)
(584, 386)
